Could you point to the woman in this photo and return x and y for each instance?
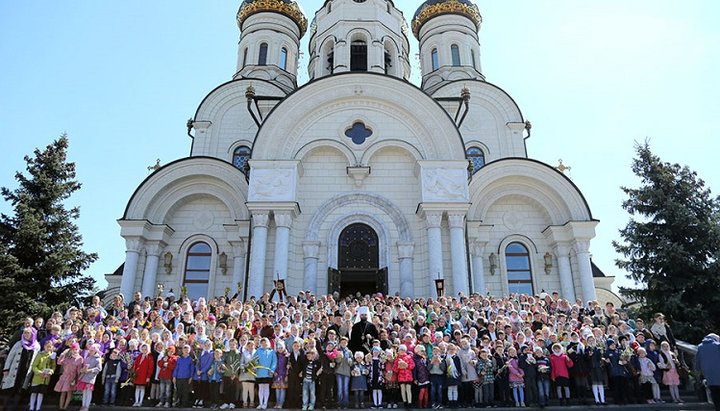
(18, 364)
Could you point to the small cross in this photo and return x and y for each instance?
(562, 167)
(155, 167)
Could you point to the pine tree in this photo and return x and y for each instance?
(41, 255)
(671, 246)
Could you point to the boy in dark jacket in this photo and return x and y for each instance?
(111, 377)
(543, 369)
(310, 370)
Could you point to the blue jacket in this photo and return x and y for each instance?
(267, 361)
(616, 369)
(184, 369)
(708, 359)
(204, 363)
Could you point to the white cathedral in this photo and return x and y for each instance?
(359, 180)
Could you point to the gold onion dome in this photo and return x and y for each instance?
(287, 8)
(433, 8)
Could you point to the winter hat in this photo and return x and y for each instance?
(610, 342)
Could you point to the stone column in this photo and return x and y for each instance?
(405, 255)
(238, 248)
(310, 260)
(433, 220)
(153, 250)
(477, 249)
(458, 252)
(283, 221)
(132, 254)
(567, 289)
(256, 279)
(582, 252)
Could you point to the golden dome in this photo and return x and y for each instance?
(287, 8)
(434, 8)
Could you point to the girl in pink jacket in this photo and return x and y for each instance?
(560, 372)
(516, 376)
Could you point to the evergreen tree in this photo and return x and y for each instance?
(41, 256)
(671, 246)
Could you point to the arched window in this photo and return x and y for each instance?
(476, 157)
(455, 53)
(435, 61)
(358, 56)
(244, 61)
(283, 58)
(197, 270)
(388, 61)
(262, 56)
(241, 155)
(517, 259)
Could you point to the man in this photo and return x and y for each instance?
(337, 324)
(706, 361)
(363, 332)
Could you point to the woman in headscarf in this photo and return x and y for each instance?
(19, 363)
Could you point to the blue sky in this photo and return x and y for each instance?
(122, 78)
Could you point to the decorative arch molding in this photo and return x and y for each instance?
(415, 111)
(497, 100)
(312, 232)
(238, 143)
(548, 204)
(532, 250)
(552, 189)
(177, 181)
(358, 217)
(326, 143)
(404, 145)
(227, 95)
(480, 145)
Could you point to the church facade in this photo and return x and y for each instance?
(358, 180)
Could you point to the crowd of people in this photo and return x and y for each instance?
(306, 352)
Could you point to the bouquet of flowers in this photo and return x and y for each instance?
(402, 364)
(544, 369)
(355, 372)
(250, 367)
(127, 358)
(234, 366)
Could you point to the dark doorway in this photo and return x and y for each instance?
(358, 263)
(358, 56)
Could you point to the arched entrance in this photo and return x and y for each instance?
(358, 263)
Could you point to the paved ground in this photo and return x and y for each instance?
(635, 407)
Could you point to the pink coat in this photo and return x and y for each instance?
(516, 373)
(404, 375)
(560, 366)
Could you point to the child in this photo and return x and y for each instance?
(421, 376)
(310, 367)
(92, 365)
(201, 386)
(404, 366)
(71, 362)
(597, 370)
(647, 377)
(453, 375)
(526, 361)
(358, 379)
(668, 362)
(247, 375)
(43, 367)
(215, 373)
(280, 379)
(560, 373)
(516, 378)
(267, 363)
(182, 375)
(437, 379)
(111, 377)
(544, 370)
(376, 377)
(485, 368)
(231, 360)
(619, 375)
(391, 382)
(143, 366)
(166, 366)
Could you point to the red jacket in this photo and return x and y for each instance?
(167, 366)
(404, 375)
(559, 366)
(144, 369)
